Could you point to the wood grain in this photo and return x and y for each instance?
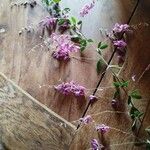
(120, 136)
(26, 60)
(28, 125)
(138, 61)
(33, 67)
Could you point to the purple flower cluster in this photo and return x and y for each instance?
(71, 88)
(120, 44)
(102, 128)
(64, 46)
(118, 31)
(116, 36)
(120, 28)
(85, 10)
(95, 145)
(48, 23)
(121, 51)
(86, 120)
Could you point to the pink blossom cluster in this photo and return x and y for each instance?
(120, 28)
(86, 8)
(63, 45)
(71, 88)
(48, 23)
(102, 128)
(86, 120)
(116, 36)
(120, 44)
(95, 145)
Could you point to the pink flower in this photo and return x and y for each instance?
(86, 120)
(120, 28)
(71, 88)
(95, 145)
(64, 46)
(48, 23)
(102, 128)
(120, 44)
(85, 10)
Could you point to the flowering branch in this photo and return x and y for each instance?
(64, 45)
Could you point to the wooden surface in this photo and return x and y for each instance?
(28, 125)
(32, 67)
(137, 60)
(26, 60)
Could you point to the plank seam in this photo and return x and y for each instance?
(38, 103)
(110, 59)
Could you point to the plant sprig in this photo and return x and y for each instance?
(134, 113)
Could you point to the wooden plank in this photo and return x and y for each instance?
(138, 63)
(120, 136)
(27, 124)
(30, 65)
(102, 112)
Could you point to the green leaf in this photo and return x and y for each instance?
(135, 113)
(136, 95)
(47, 2)
(103, 46)
(83, 42)
(76, 39)
(79, 22)
(116, 84)
(73, 20)
(121, 84)
(129, 101)
(66, 10)
(61, 21)
(90, 40)
(82, 49)
(56, 1)
(99, 44)
(98, 66)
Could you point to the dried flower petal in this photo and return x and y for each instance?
(102, 128)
